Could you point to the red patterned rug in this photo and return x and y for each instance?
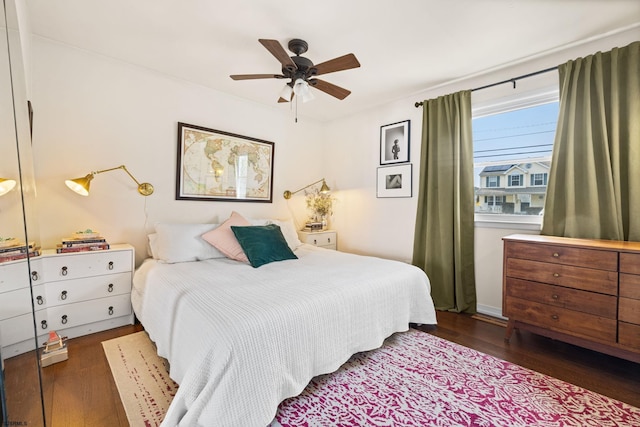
(414, 379)
(417, 379)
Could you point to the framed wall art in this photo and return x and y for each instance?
(394, 143)
(221, 166)
(394, 181)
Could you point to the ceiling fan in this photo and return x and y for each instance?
(302, 71)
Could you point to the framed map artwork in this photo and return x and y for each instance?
(216, 165)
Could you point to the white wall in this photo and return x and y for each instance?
(94, 113)
(385, 227)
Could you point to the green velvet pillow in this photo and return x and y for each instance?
(263, 244)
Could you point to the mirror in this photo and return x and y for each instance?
(20, 378)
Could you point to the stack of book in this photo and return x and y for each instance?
(12, 250)
(82, 244)
(312, 226)
(55, 350)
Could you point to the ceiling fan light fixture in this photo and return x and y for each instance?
(301, 89)
(286, 93)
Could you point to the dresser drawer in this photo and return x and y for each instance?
(562, 320)
(579, 257)
(558, 296)
(15, 303)
(630, 263)
(70, 315)
(629, 310)
(20, 328)
(85, 264)
(15, 274)
(587, 279)
(325, 239)
(71, 291)
(629, 286)
(629, 335)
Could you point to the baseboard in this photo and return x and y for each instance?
(491, 311)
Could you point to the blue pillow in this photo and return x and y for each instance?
(263, 244)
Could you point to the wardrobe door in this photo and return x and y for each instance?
(20, 378)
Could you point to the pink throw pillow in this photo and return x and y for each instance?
(223, 239)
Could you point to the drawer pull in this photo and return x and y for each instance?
(110, 265)
(554, 317)
(328, 239)
(34, 275)
(554, 296)
(40, 300)
(110, 310)
(63, 295)
(110, 288)
(43, 324)
(556, 254)
(64, 271)
(315, 242)
(556, 275)
(64, 319)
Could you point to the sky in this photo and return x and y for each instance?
(515, 135)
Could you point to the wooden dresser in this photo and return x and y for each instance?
(584, 292)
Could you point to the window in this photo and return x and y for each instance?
(538, 179)
(515, 180)
(493, 181)
(515, 143)
(494, 200)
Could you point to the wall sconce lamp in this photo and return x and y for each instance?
(324, 189)
(81, 185)
(6, 185)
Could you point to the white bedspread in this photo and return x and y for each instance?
(240, 340)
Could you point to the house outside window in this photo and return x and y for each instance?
(512, 159)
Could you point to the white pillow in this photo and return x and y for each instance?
(288, 231)
(183, 242)
(152, 245)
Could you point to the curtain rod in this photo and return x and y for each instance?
(511, 80)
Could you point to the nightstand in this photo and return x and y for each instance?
(327, 239)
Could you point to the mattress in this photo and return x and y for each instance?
(240, 340)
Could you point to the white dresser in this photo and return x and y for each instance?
(74, 294)
(325, 239)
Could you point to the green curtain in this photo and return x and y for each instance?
(443, 240)
(594, 181)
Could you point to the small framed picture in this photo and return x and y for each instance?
(394, 143)
(395, 181)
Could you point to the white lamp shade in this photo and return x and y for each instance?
(301, 89)
(6, 185)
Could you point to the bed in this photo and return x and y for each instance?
(239, 339)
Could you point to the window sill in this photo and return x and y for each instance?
(518, 222)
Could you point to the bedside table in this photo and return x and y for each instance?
(327, 239)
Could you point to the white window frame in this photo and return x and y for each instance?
(520, 180)
(504, 104)
(542, 174)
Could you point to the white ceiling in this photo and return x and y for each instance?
(404, 46)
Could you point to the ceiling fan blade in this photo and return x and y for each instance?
(278, 51)
(256, 76)
(330, 88)
(344, 62)
(281, 99)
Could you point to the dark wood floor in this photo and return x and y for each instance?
(81, 391)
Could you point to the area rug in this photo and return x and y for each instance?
(418, 379)
(141, 377)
